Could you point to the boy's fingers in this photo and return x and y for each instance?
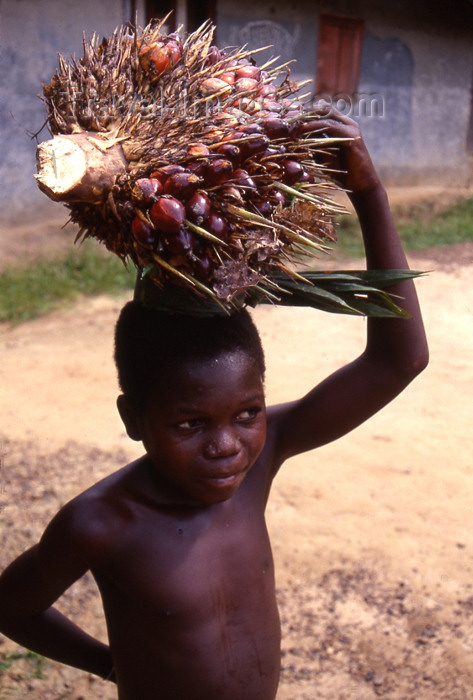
(331, 119)
(333, 128)
(323, 107)
(326, 109)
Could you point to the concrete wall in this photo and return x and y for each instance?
(32, 32)
(415, 82)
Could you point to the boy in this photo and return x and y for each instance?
(177, 540)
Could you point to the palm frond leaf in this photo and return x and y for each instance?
(351, 292)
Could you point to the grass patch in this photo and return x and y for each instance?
(419, 228)
(36, 662)
(47, 284)
(30, 291)
(25, 665)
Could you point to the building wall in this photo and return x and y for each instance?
(415, 81)
(32, 32)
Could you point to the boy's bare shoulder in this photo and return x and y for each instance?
(93, 519)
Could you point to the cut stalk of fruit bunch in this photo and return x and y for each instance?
(197, 165)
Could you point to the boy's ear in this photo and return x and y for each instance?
(129, 417)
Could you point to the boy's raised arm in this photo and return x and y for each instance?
(29, 587)
(396, 349)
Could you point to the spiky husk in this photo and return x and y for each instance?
(224, 189)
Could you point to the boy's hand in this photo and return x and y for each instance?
(354, 169)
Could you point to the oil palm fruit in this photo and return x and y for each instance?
(195, 159)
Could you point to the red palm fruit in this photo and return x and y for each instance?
(228, 77)
(170, 169)
(216, 224)
(202, 267)
(230, 151)
(143, 233)
(275, 127)
(181, 242)
(232, 136)
(292, 113)
(306, 177)
(198, 207)
(214, 56)
(145, 190)
(273, 150)
(252, 129)
(294, 130)
(233, 193)
(248, 105)
(143, 55)
(160, 58)
(174, 49)
(168, 214)
(218, 171)
(198, 149)
(253, 145)
(211, 86)
(267, 89)
(293, 171)
(231, 118)
(264, 207)
(182, 185)
(243, 178)
(271, 105)
(163, 173)
(198, 167)
(248, 72)
(246, 84)
(279, 197)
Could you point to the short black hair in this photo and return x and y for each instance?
(149, 343)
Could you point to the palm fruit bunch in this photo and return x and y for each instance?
(197, 165)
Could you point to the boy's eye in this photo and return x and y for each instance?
(189, 424)
(248, 414)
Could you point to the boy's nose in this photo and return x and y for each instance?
(223, 443)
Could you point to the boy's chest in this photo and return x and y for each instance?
(197, 565)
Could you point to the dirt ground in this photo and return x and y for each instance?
(372, 535)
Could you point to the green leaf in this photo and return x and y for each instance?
(353, 292)
(356, 292)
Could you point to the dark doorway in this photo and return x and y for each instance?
(339, 55)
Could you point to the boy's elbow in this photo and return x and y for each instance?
(413, 366)
(421, 361)
(396, 373)
(420, 357)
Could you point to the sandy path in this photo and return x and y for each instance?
(371, 534)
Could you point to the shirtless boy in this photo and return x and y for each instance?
(177, 540)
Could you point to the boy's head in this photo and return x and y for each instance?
(193, 395)
(150, 345)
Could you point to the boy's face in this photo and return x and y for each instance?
(205, 427)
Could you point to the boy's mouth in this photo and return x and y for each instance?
(225, 479)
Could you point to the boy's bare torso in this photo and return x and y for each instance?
(189, 592)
